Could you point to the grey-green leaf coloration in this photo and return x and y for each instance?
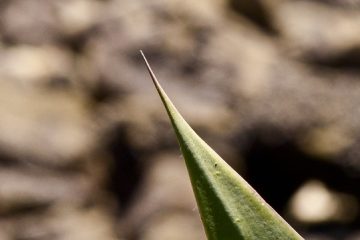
(229, 207)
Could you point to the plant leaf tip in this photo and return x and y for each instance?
(146, 61)
(152, 75)
(228, 205)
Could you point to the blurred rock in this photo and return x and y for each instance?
(52, 128)
(320, 31)
(354, 236)
(166, 187)
(319, 237)
(325, 142)
(172, 226)
(77, 16)
(43, 22)
(31, 21)
(343, 3)
(21, 189)
(4, 234)
(313, 202)
(62, 222)
(256, 11)
(35, 66)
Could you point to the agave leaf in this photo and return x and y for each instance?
(230, 208)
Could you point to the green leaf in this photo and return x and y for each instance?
(229, 207)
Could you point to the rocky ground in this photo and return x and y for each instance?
(86, 149)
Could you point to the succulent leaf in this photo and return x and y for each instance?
(230, 208)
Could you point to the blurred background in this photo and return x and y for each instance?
(87, 151)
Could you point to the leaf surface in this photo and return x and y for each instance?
(230, 208)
